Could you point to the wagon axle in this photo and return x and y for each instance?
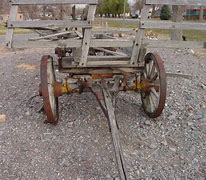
(65, 87)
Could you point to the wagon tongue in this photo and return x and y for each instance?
(107, 103)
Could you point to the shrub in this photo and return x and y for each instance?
(165, 13)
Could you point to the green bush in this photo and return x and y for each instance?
(165, 13)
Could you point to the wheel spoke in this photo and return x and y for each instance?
(154, 100)
(151, 68)
(152, 105)
(145, 75)
(154, 92)
(155, 76)
(147, 69)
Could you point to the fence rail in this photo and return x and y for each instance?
(41, 2)
(178, 2)
(173, 25)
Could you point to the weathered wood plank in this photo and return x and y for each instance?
(176, 75)
(108, 58)
(87, 36)
(111, 43)
(139, 36)
(10, 31)
(173, 44)
(73, 43)
(107, 43)
(50, 36)
(173, 25)
(48, 23)
(178, 2)
(106, 63)
(109, 102)
(115, 31)
(26, 2)
(117, 53)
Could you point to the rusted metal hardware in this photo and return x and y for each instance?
(80, 85)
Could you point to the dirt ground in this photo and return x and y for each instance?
(79, 148)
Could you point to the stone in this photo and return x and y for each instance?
(164, 142)
(152, 145)
(27, 113)
(2, 118)
(203, 86)
(147, 123)
(172, 149)
(108, 176)
(190, 123)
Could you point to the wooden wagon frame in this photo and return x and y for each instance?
(94, 61)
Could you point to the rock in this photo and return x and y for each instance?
(152, 146)
(199, 115)
(164, 142)
(2, 118)
(192, 51)
(108, 176)
(27, 113)
(190, 123)
(96, 141)
(70, 124)
(172, 149)
(98, 108)
(172, 117)
(148, 123)
(203, 86)
(116, 178)
(92, 178)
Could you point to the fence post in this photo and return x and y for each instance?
(201, 13)
(177, 16)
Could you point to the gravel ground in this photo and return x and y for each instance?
(79, 147)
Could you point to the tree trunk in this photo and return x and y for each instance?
(177, 17)
(74, 12)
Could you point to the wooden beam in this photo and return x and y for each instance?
(111, 52)
(173, 44)
(139, 37)
(108, 58)
(42, 2)
(50, 36)
(48, 23)
(10, 31)
(178, 2)
(87, 36)
(72, 43)
(173, 25)
(107, 63)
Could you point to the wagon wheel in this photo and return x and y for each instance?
(48, 79)
(153, 78)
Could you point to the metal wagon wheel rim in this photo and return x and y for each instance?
(154, 96)
(50, 102)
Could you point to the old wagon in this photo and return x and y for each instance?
(96, 61)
